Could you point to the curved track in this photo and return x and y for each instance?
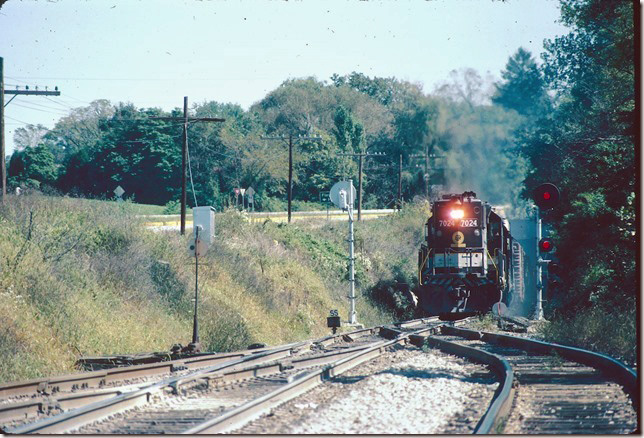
(547, 388)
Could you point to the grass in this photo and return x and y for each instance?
(597, 329)
(83, 277)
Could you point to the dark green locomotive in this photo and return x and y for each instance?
(469, 261)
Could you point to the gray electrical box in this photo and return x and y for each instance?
(205, 218)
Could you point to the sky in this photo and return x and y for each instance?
(152, 53)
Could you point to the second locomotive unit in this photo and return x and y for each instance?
(469, 261)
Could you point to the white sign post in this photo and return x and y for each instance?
(343, 195)
(118, 191)
(250, 192)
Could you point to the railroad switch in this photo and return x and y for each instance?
(193, 347)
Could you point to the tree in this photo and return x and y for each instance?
(79, 130)
(466, 85)
(523, 88)
(33, 164)
(29, 137)
(588, 148)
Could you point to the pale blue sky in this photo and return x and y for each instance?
(152, 53)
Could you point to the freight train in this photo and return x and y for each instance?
(469, 262)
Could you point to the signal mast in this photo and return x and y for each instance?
(546, 196)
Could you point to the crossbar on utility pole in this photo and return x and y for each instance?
(26, 92)
(360, 156)
(426, 177)
(290, 162)
(184, 152)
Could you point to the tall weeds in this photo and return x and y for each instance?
(83, 277)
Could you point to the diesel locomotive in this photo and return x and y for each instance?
(469, 262)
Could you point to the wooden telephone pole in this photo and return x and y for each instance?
(26, 92)
(399, 203)
(360, 156)
(290, 162)
(184, 152)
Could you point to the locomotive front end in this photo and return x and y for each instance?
(453, 263)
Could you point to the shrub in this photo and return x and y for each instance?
(597, 329)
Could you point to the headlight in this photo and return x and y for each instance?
(456, 214)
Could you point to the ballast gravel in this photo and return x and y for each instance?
(403, 392)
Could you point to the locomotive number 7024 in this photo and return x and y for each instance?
(464, 223)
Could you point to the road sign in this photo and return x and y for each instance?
(342, 186)
(250, 192)
(118, 191)
(236, 190)
(242, 191)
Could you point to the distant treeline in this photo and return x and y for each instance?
(103, 145)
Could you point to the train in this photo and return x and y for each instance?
(469, 263)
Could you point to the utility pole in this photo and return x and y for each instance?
(3, 166)
(426, 176)
(400, 182)
(290, 174)
(184, 152)
(360, 156)
(290, 162)
(27, 92)
(184, 160)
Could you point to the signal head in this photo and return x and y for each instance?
(546, 196)
(545, 245)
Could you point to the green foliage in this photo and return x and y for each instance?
(172, 207)
(609, 332)
(523, 89)
(34, 163)
(587, 148)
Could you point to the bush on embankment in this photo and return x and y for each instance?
(85, 278)
(612, 332)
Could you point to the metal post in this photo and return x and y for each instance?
(184, 160)
(352, 290)
(538, 314)
(290, 174)
(195, 325)
(3, 164)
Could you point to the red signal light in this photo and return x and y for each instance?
(546, 196)
(545, 245)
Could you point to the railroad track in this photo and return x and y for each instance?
(537, 392)
(68, 402)
(547, 388)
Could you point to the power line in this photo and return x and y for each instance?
(59, 113)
